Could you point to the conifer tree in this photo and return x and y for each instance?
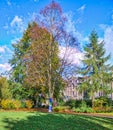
(96, 70)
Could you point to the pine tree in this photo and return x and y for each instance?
(96, 71)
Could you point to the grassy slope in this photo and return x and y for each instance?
(46, 121)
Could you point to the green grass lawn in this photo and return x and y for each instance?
(48, 121)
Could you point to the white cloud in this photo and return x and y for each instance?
(16, 20)
(5, 55)
(108, 38)
(15, 40)
(85, 39)
(82, 8)
(72, 55)
(4, 49)
(70, 27)
(17, 23)
(5, 67)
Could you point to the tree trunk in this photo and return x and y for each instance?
(93, 99)
(50, 77)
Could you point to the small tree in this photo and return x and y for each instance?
(96, 71)
(5, 92)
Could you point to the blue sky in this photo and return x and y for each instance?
(84, 16)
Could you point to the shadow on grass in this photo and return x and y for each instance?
(46, 121)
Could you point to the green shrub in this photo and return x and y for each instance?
(83, 104)
(103, 102)
(88, 102)
(78, 103)
(70, 103)
(60, 108)
(23, 104)
(84, 110)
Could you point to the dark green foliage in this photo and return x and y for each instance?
(23, 104)
(88, 102)
(83, 107)
(71, 103)
(17, 76)
(21, 92)
(17, 63)
(103, 102)
(96, 72)
(78, 103)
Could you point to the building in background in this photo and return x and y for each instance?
(72, 92)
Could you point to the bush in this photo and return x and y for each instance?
(16, 104)
(23, 104)
(103, 109)
(29, 104)
(10, 104)
(83, 104)
(60, 108)
(7, 104)
(70, 103)
(84, 110)
(78, 103)
(0, 102)
(103, 102)
(88, 102)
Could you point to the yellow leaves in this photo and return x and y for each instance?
(10, 104)
(29, 104)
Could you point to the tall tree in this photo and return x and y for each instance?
(96, 71)
(53, 19)
(41, 65)
(17, 74)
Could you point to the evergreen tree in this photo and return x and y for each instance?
(96, 71)
(16, 62)
(17, 74)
